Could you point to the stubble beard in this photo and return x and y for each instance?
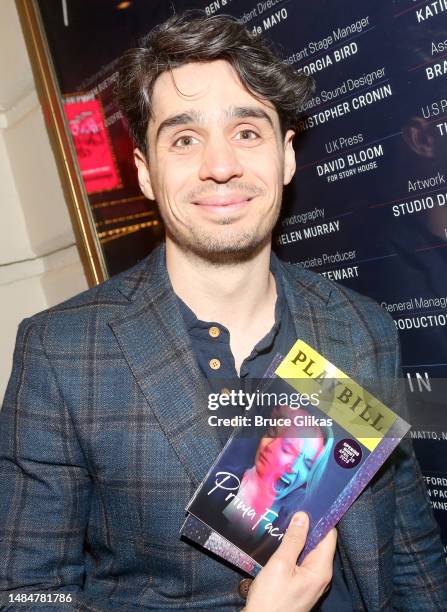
(226, 247)
(232, 250)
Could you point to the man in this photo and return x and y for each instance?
(104, 428)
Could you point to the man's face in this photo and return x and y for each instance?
(217, 162)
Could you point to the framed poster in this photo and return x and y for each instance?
(74, 46)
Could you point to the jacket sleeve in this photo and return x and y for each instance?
(420, 573)
(44, 480)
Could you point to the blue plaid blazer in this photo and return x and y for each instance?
(104, 440)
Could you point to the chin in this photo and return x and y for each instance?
(237, 250)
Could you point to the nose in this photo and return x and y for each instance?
(220, 162)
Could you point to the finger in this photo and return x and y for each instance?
(293, 541)
(322, 556)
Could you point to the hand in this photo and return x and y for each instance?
(282, 585)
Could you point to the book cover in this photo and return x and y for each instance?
(312, 441)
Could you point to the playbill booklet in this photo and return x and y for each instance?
(312, 440)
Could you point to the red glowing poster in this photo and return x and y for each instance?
(92, 144)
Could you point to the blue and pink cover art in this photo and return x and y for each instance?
(316, 457)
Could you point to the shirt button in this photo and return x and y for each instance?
(214, 364)
(244, 587)
(214, 331)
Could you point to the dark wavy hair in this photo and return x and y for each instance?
(194, 37)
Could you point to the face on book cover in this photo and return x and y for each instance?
(288, 456)
(217, 162)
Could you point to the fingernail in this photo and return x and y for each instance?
(299, 519)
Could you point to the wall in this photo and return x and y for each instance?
(39, 262)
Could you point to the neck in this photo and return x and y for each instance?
(240, 296)
(230, 294)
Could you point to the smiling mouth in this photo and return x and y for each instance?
(223, 203)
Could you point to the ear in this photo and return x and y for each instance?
(418, 134)
(144, 178)
(289, 157)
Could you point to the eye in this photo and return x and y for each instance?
(288, 449)
(185, 141)
(308, 463)
(247, 135)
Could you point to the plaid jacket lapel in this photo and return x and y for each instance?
(155, 344)
(330, 334)
(315, 322)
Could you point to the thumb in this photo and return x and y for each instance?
(293, 541)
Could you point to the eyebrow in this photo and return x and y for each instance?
(194, 116)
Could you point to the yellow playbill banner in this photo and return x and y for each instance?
(341, 398)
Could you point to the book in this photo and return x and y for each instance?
(313, 440)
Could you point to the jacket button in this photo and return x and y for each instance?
(244, 587)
